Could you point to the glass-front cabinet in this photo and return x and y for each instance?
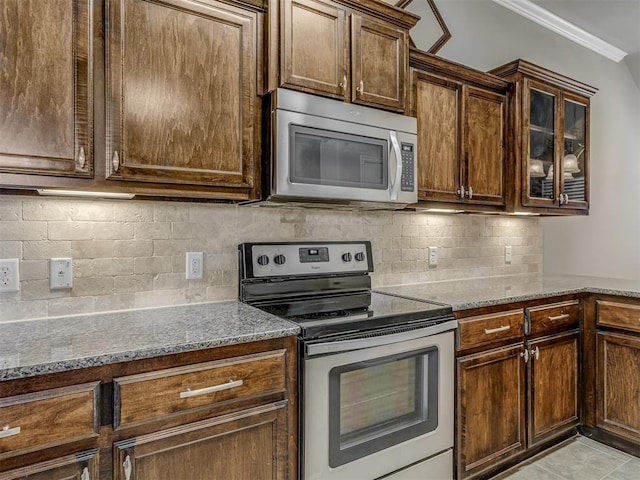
(550, 145)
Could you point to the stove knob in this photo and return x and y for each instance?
(359, 257)
(263, 260)
(279, 259)
(346, 257)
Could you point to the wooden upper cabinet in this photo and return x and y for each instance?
(484, 145)
(380, 64)
(46, 87)
(549, 144)
(461, 134)
(181, 90)
(331, 49)
(314, 47)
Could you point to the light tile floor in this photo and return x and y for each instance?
(578, 458)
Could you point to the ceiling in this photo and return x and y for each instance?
(612, 26)
(615, 21)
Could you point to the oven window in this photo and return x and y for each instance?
(323, 157)
(376, 404)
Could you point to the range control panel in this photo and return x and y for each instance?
(278, 259)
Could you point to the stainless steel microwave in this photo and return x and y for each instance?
(324, 151)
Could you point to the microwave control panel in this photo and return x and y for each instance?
(407, 180)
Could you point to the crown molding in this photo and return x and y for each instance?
(553, 22)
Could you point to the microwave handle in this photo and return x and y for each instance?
(395, 184)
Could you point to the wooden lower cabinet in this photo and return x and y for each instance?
(491, 408)
(83, 466)
(618, 385)
(249, 444)
(554, 388)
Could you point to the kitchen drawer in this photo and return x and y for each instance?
(48, 418)
(618, 315)
(553, 317)
(153, 395)
(490, 328)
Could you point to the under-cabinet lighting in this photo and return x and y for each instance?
(441, 210)
(81, 193)
(525, 214)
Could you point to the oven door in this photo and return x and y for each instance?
(328, 159)
(371, 411)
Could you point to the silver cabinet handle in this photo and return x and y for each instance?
(9, 432)
(470, 193)
(360, 88)
(559, 317)
(343, 84)
(126, 465)
(461, 192)
(82, 159)
(85, 474)
(115, 161)
(566, 198)
(525, 354)
(502, 328)
(395, 186)
(560, 199)
(215, 388)
(535, 353)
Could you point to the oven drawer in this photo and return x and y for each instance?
(48, 418)
(490, 328)
(618, 315)
(149, 396)
(553, 317)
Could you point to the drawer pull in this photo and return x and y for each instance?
(9, 432)
(85, 474)
(503, 328)
(559, 317)
(215, 388)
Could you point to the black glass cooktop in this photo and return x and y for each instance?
(321, 316)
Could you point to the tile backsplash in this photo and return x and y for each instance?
(131, 254)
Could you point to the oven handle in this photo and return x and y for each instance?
(339, 346)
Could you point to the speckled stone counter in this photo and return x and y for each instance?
(35, 347)
(481, 292)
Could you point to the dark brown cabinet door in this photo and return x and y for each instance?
(181, 90)
(83, 466)
(484, 146)
(554, 389)
(436, 107)
(618, 384)
(461, 134)
(250, 444)
(314, 47)
(46, 94)
(380, 64)
(490, 408)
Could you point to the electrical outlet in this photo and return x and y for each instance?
(433, 256)
(195, 265)
(60, 273)
(9, 275)
(507, 254)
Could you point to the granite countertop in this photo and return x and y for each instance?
(48, 345)
(482, 292)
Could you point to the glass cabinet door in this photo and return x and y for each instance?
(574, 162)
(542, 145)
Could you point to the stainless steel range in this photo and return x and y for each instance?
(376, 370)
